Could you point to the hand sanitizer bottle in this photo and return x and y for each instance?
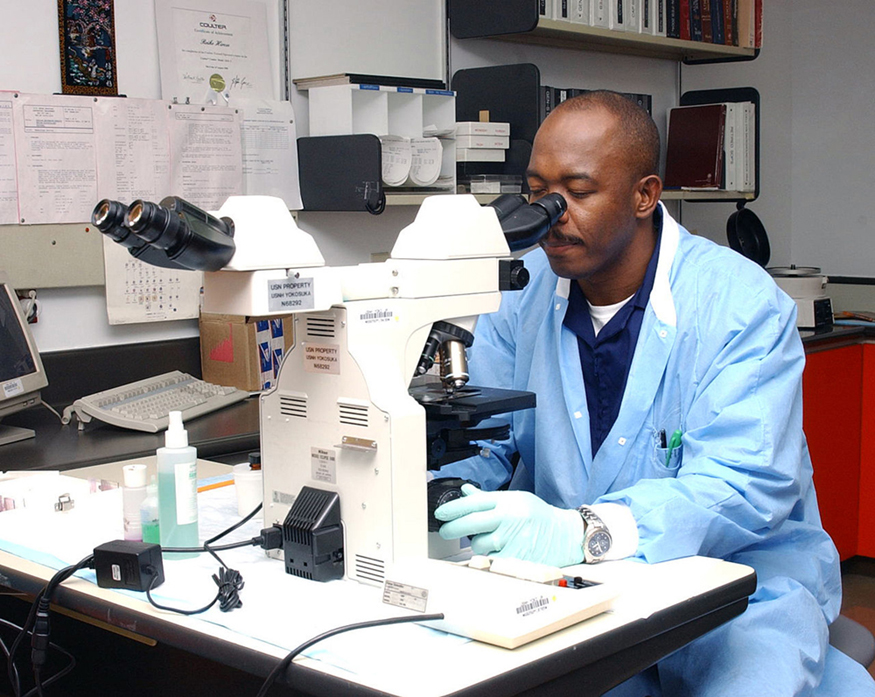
(177, 488)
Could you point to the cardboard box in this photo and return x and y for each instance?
(244, 352)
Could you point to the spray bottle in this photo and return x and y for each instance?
(177, 487)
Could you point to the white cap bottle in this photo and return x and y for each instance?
(177, 487)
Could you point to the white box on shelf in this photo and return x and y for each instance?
(479, 141)
(479, 155)
(482, 128)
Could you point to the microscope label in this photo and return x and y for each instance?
(323, 465)
(290, 294)
(322, 358)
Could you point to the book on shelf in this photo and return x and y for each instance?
(702, 153)
(659, 17)
(730, 14)
(731, 149)
(552, 96)
(748, 167)
(750, 23)
(361, 79)
(617, 15)
(717, 33)
(633, 15)
(707, 28)
(694, 147)
(598, 13)
(579, 12)
(684, 19)
(696, 20)
(562, 10)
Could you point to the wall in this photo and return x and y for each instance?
(29, 61)
(74, 318)
(816, 76)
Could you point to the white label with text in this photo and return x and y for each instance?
(322, 358)
(290, 294)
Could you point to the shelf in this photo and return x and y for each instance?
(518, 21)
(668, 195)
(560, 34)
(728, 196)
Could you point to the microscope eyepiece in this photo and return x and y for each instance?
(189, 236)
(524, 224)
(109, 217)
(554, 206)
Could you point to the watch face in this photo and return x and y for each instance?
(599, 544)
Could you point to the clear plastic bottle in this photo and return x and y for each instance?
(133, 493)
(149, 514)
(177, 488)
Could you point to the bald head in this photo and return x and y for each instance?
(636, 136)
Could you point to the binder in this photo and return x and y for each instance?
(341, 173)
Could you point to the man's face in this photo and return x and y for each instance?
(576, 154)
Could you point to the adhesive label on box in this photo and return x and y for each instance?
(290, 294)
(13, 387)
(405, 596)
(322, 358)
(323, 465)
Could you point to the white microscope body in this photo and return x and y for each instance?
(358, 415)
(341, 418)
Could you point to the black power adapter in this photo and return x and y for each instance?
(128, 564)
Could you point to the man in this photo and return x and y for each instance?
(668, 375)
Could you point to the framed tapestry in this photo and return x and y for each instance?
(87, 33)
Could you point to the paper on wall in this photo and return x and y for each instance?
(8, 179)
(55, 149)
(270, 153)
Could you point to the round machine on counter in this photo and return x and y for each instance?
(806, 285)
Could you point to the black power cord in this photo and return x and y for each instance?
(284, 663)
(37, 625)
(229, 581)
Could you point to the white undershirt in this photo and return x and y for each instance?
(602, 314)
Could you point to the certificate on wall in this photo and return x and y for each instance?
(212, 51)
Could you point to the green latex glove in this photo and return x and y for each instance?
(513, 524)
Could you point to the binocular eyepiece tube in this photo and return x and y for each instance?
(173, 233)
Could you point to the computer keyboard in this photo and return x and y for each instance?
(145, 405)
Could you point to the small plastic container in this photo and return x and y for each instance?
(149, 514)
(133, 493)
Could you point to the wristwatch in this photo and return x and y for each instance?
(596, 538)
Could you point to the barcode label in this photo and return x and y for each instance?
(376, 315)
(532, 606)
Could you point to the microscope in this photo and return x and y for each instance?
(374, 392)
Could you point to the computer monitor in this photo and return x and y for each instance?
(21, 370)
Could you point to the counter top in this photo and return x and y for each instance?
(226, 435)
(835, 335)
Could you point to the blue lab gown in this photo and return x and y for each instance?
(718, 357)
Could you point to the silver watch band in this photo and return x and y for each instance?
(596, 537)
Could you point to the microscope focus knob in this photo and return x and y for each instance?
(512, 274)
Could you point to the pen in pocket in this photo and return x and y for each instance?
(673, 443)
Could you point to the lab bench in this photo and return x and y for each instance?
(660, 609)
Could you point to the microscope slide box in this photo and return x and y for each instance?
(490, 607)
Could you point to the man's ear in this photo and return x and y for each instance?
(647, 193)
